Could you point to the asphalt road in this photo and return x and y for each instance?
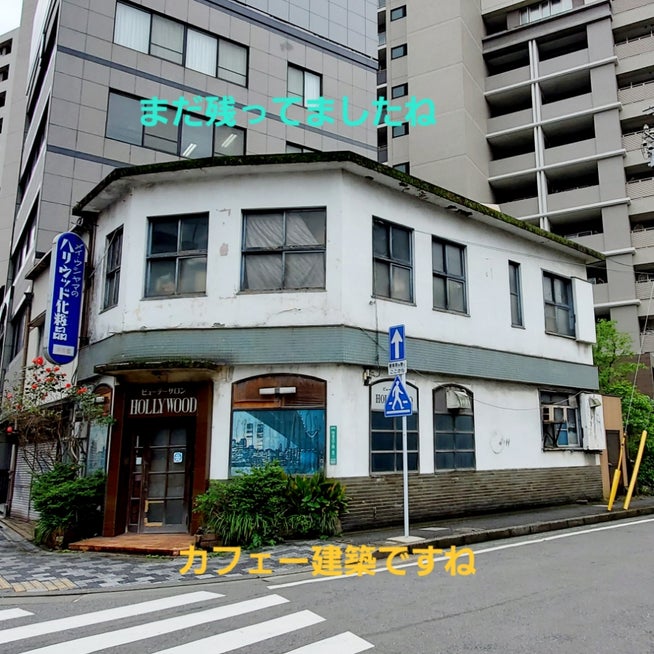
(577, 591)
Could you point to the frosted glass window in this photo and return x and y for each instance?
(167, 39)
(201, 52)
(132, 28)
(232, 62)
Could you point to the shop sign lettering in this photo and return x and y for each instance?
(155, 406)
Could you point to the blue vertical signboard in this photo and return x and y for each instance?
(64, 311)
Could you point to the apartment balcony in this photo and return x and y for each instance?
(520, 208)
(589, 240)
(636, 93)
(564, 62)
(645, 291)
(647, 342)
(643, 241)
(573, 105)
(632, 144)
(642, 188)
(512, 165)
(625, 5)
(573, 198)
(637, 54)
(509, 121)
(508, 78)
(570, 152)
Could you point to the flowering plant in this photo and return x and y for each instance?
(44, 407)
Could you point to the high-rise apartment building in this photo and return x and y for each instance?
(230, 63)
(540, 110)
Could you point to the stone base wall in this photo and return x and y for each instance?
(377, 501)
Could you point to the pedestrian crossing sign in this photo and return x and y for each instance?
(398, 402)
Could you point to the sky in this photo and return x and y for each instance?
(9, 14)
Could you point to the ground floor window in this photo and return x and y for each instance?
(278, 418)
(386, 433)
(560, 420)
(454, 429)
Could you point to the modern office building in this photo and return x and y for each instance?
(540, 109)
(229, 63)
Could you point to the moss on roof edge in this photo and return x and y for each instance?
(326, 157)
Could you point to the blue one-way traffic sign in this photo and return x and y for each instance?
(396, 343)
(398, 402)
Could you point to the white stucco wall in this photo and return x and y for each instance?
(351, 204)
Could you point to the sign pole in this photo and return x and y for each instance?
(405, 469)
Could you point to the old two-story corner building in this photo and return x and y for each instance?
(240, 308)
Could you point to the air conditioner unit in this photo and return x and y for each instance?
(457, 399)
(553, 413)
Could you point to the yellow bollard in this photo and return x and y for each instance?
(634, 474)
(616, 474)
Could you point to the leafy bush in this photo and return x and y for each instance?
(315, 505)
(265, 505)
(247, 510)
(69, 505)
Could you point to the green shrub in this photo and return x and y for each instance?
(265, 505)
(247, 510)
(315, 505)
(70, 506)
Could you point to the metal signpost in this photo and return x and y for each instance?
(398, 404)
(64, 310)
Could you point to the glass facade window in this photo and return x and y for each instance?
(398, 12)
(399, 51)
(304, 84)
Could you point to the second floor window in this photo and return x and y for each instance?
(177, 255)
(284, 250)
(113, 255)
(174, 41)
(449, 276)
(303, 84)
(559, 309)
(392, 261)
(515, 293)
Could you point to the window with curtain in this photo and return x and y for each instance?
(167, 39)
(201, 52)
(232, 62)
(304, 84)
(454, 429)
(132, 28)
(177, 255)
(392, 261)
(284, 250)
(174, 41)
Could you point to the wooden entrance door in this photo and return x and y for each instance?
(160, 477)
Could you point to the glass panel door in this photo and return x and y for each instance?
(159, 485)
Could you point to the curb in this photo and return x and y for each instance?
(528, 529)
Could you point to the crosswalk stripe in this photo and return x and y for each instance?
(237, 638)
(89, 644)
(106, 615)
(9, 614)
(345, 643)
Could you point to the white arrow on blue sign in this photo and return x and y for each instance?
(396, 343)
(398, 402)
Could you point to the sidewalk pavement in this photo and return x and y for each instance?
(26, 569)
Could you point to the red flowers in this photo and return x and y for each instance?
(10, 429)
(38, 361)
